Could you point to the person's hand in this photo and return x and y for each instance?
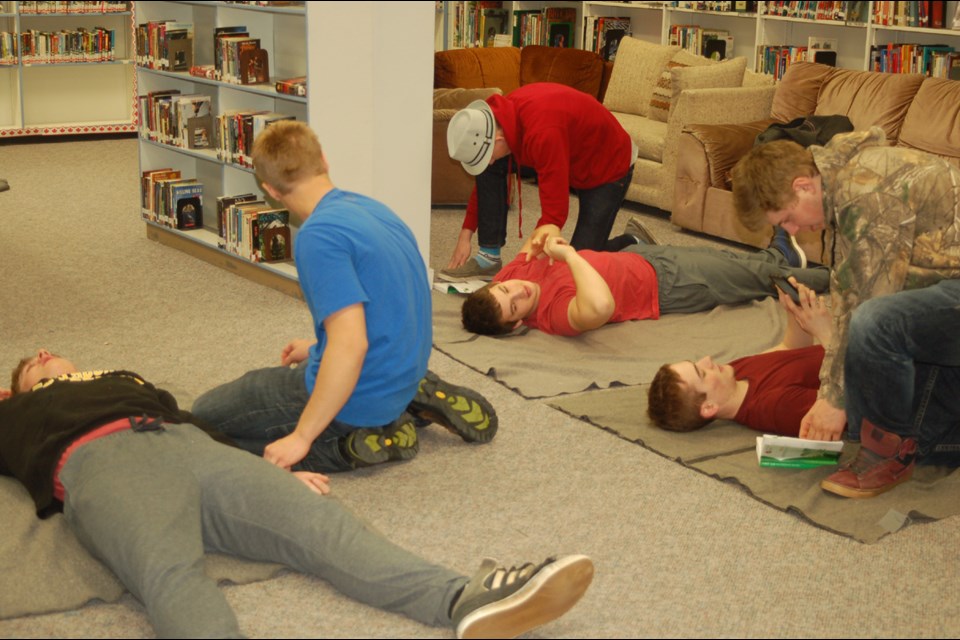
(316, 482)
(812, 314)
(539, 239)
(557, 249)
(295, 352)
(462, 251)
(287, 451)
(823, 422)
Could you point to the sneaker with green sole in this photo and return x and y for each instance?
(366, 447)
(504, 603)
(460, 410)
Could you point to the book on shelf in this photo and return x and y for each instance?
(527, 27)
(274, 236)
(231, 49)
(224, 203)
(558, 24)
(194, 121)
(783, 451)
(186, 204)
(180, 50)
(219, 33)
(602, 35)
(296, 86)
(254, 66)
(716, 44)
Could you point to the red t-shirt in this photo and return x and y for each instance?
(632, 281)
(783, 387)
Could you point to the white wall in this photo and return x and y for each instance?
(370, 73)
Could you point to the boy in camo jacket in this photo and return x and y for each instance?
(895, 217)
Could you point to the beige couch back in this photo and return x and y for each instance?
(914, 111)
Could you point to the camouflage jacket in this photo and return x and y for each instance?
(895, 214)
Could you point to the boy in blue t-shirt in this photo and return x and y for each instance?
(361, 386)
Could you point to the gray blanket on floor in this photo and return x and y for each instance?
(602, 378)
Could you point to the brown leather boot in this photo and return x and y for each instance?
(884, 461)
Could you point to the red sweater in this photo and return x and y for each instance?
(783, 387)
(567, 136)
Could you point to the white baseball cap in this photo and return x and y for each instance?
(470, 136)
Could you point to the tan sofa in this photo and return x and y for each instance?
(463, 75)
(914, 111)
(655, 91)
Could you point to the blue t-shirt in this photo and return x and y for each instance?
(354, 249)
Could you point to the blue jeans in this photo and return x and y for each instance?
(264, 405)
(598, 209)
(902, 368)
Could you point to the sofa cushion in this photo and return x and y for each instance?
(477, 68)
(649, 135)
(797, 92)
(635, 72)
(722, 75)
(869, 99)
(662, 98)
(575, 68)
(932, 123)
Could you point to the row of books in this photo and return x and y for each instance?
(748, 7)
(171, 200)
(8, 48)
(249, 227)
(295, 86)
(165, 45)
(774, 59)
(710, 43)
(236, 130)
(936, 61)
(171, 117)
(602, 35)
(550, 26)
(32, 8)
(238, 58)
(910, 14)
(472, 22)
(80, 45)
(839, 11)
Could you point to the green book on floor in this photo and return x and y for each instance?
(794, 453)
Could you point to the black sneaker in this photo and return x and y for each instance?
(787, 245)
(504, 603)
(366, 447)
(462, 411)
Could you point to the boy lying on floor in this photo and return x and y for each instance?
(567, 292)
(769, 391)
(147, 493)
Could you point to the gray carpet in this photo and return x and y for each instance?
(678, 554)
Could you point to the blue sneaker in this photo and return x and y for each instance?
(787, 245)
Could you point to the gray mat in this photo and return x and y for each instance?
(726, 451)
(602, 378)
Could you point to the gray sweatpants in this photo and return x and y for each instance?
(692, 279)
(149, 503)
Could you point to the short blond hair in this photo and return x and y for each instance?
(763, 180)
(286, 153)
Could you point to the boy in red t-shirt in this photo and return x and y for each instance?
(567, 292)
(768, 392)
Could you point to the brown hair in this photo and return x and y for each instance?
(763, 180)
(481, 314)
(285, 153)
(673, 405)
(15, 376)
